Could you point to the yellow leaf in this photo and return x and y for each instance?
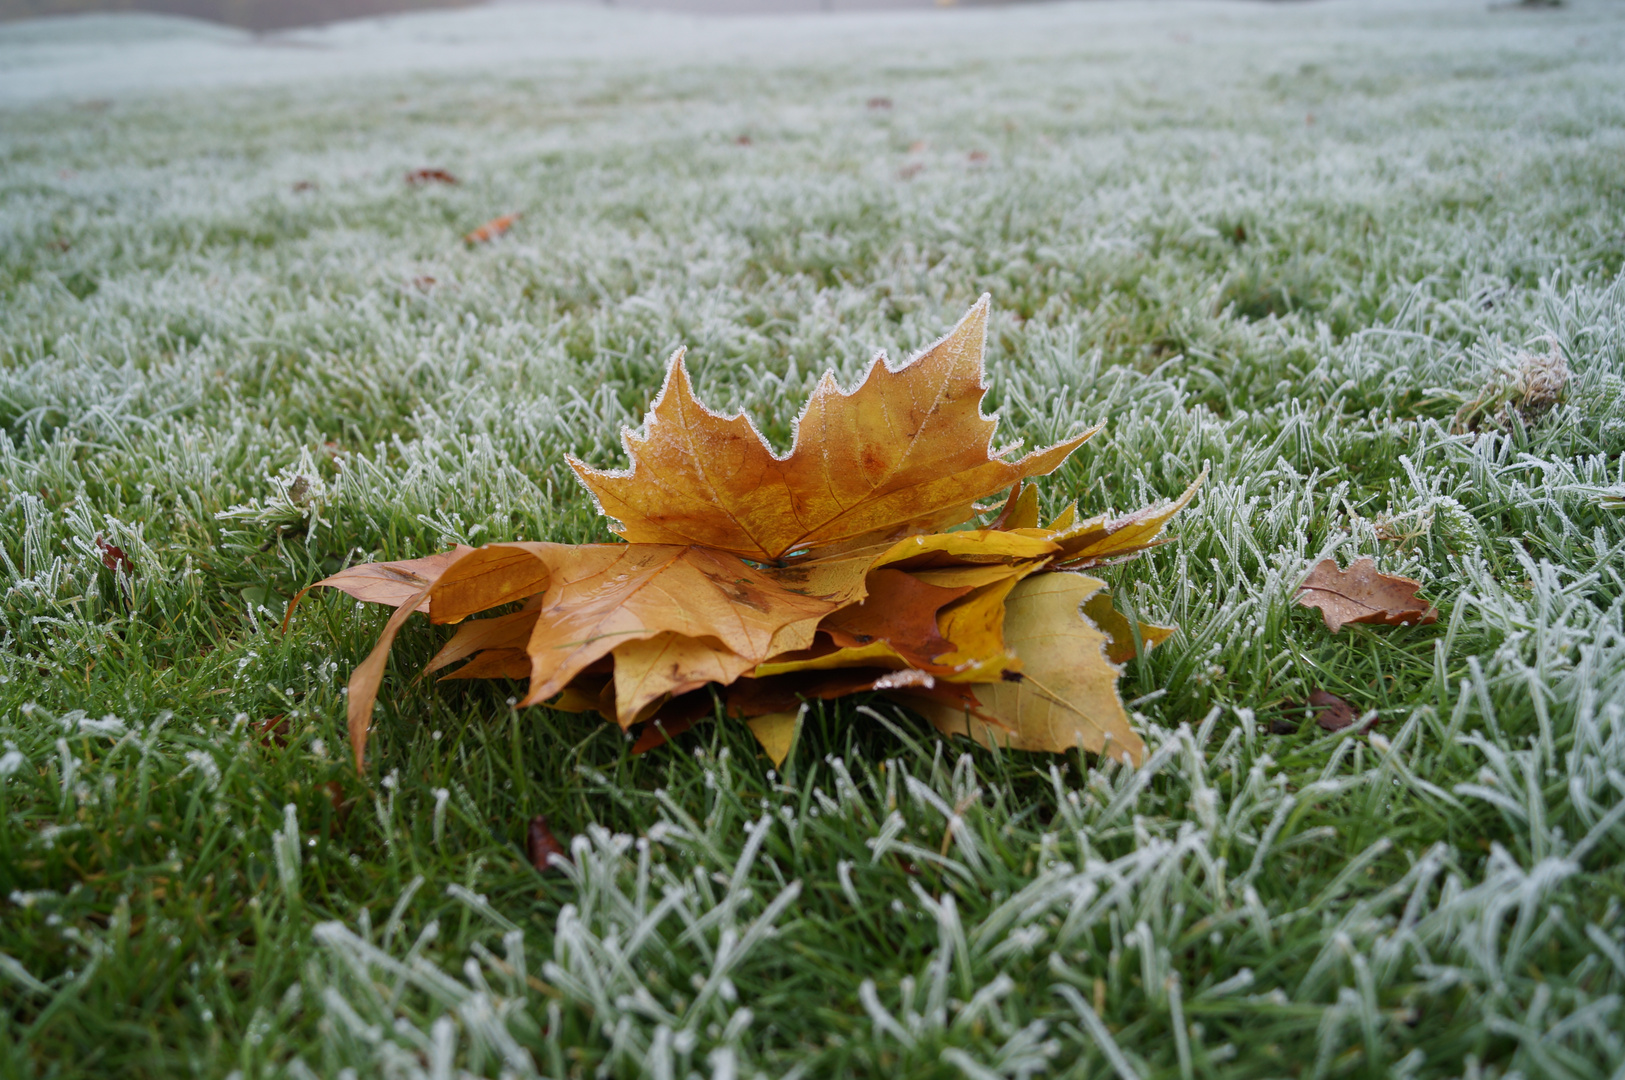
(602, 596)
(1114, 624)
(1067, 695)
(975, 625)
(666, 665)
(776, 732)
(973, 546)
(1090, 543)
(906, 451)
(1021, 511)
(877, 654)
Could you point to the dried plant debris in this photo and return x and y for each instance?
(768, 580)
(419, 177)
(1331, 713)
(543, 847)
(1524, 390)
(490, 230)
(1361, 594)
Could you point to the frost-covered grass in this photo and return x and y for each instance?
(244, 386)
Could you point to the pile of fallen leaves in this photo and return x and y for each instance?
(754, 583)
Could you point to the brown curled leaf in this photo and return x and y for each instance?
(1361, 594)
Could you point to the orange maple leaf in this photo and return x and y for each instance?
(907, 451)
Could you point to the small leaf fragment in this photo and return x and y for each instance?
(1331, 712)
(1021, 510)
(776, 732)
(490, 230)
(419, 177)
(1114, 624)
(391, 583)
(1361, 594)
(543, 847)
(113, 556)
(368, 674)
(1089, 543)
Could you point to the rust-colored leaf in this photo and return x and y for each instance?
(900, 610)
(341, 805)
(1361, 594)
(419, 177)
(906, 451)
(543, 847)
(1331, 712)
(113, 556)
(601, 599)
(273, 731)
(491, 229)
(391, 583)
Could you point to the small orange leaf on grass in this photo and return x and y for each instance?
(491, 229)
(419, 177)
(1361, 594)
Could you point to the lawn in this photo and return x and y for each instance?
(1316, 248)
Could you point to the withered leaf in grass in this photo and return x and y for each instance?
(491, 229)
(1332, 713)
(543, 847)
(113, 556)
(1114, 624)
(1066, 696)
(430, 176)
(1361, 594)
(907, 451)
(388, 583)
(1105, 539)
(604, 598)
